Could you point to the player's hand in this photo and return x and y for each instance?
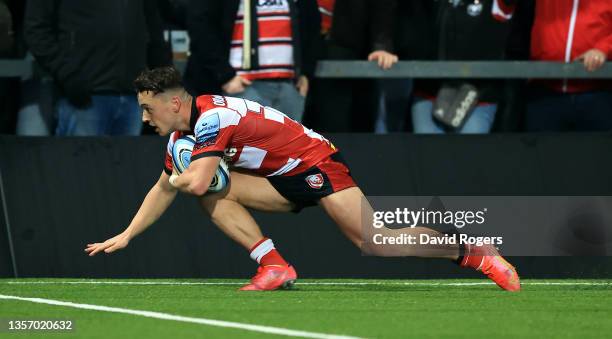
(236, 85)
(111, 245)
(172, 180)
(385, 59)
(173, 177)
(593, 59)
(302, 85)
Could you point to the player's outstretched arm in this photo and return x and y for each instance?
(154, 205)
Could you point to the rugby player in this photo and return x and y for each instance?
(278, 165)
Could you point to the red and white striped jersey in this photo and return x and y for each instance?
(274, 39)
(251, 136)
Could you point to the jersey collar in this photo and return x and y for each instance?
(194, 114)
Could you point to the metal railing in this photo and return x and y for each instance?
(462, 69)
(408, 69)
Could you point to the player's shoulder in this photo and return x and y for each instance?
(215, 105)
(215, 112)
(209, 101)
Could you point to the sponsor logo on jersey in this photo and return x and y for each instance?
(315, 180)
(273, 5)
(219, 100)
(207, 130)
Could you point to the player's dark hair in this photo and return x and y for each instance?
(158, 80)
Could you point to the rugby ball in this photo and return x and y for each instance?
(181, 158)
(181, 153)
(221, 178)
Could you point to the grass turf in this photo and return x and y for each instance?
(389, 309)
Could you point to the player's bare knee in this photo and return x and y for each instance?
(210, 200)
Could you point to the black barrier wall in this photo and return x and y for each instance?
(62, 193)
(6, 266)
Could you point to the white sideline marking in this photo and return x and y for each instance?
(166, 316)
(397, 283)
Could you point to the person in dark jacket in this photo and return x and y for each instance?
(457, 30)
(280, 38)
(7, 85)
(360, 30)
(94, 50)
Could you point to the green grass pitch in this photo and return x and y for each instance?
(357, 308)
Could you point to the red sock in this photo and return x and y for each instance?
(472, 259)
(265, 254)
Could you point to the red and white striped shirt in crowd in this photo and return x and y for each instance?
(274, 40)
(251, 136)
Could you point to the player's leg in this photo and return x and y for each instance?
(349, 207)
(353, 214)
(228, 211)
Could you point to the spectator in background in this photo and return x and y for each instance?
(261, 50)
(7, 50)
(456, 30)
(35, 112)
(6, 30)
(174, 12)
(571, 31)
(94, 50)
(360, 29)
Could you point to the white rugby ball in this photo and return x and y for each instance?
(181, 158)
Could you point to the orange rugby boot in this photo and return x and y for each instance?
(272, 277)
(487, 259)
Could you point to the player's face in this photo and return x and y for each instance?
(157, 112)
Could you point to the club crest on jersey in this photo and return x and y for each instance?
(230, 151)
(207, 130)
(315, 180)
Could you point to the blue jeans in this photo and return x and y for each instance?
(36, 116)
(479, 122)
(394, 105)
(106, 115)
(279, 94)
(559, 112)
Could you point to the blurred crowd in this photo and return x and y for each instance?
(88, 52)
